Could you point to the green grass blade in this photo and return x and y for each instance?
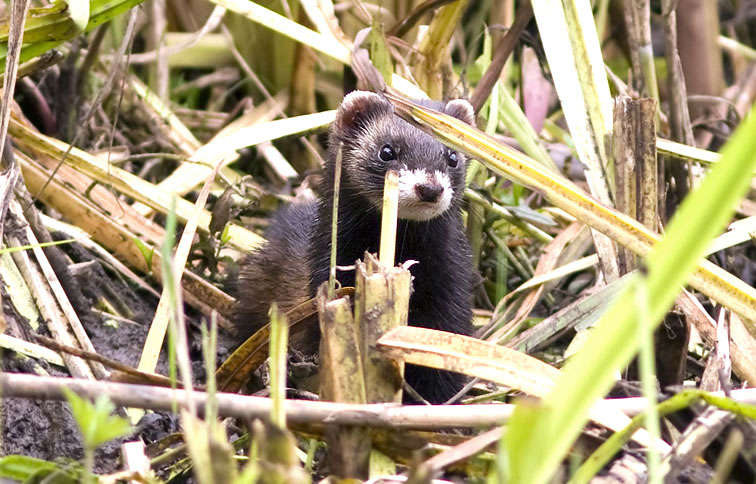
(591, 373)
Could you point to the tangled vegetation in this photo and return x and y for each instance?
(610, 206)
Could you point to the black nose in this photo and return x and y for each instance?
(428, 192)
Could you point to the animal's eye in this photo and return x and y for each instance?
(451, 159)
(387, 153)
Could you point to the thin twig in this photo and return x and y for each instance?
(404, 25)
(502, 52)
(385, 415)
(19, 9)
(151, 378)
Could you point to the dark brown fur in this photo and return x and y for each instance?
(277, 272)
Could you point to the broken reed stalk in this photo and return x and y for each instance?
(635, 158)
(351, 368)
(339, 352)
(341, 380)
(388, 218)
(334, 222)
(638, 195)
(648, 171)
(638, 16)
(382, 295)
(381, 303)
(624, 157)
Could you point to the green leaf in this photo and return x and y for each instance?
(79, 12)
(22, 468)
(379, 53)
(146, 250)
(95, 420)
(226, 234)
(10, 250)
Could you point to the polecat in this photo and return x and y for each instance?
(295, 261)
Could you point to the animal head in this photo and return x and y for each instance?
(375, 140)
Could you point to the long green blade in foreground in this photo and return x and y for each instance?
(558, 420)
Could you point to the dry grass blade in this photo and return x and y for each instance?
(125, 182)
(116, 237)
(742, 345)
(322, 43)
(236, 370)
(248, 130)
(434, 47)
(319, 42)
(154, 342)
(172, 127)
(555, 274)
(45, 298)
(462, 354)
(573, 49)
(581, 314)
(685, 152)
(546, 263)
(213, 20)
(437, 349)
(132, 375)
(84, 238)
(32, 350)
(465, 450)
(9, 173)
(737, 233)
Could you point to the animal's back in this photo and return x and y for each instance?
(279, 270)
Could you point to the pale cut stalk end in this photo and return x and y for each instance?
(388, 220)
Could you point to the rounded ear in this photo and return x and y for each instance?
(358, 107)
(462, 110)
